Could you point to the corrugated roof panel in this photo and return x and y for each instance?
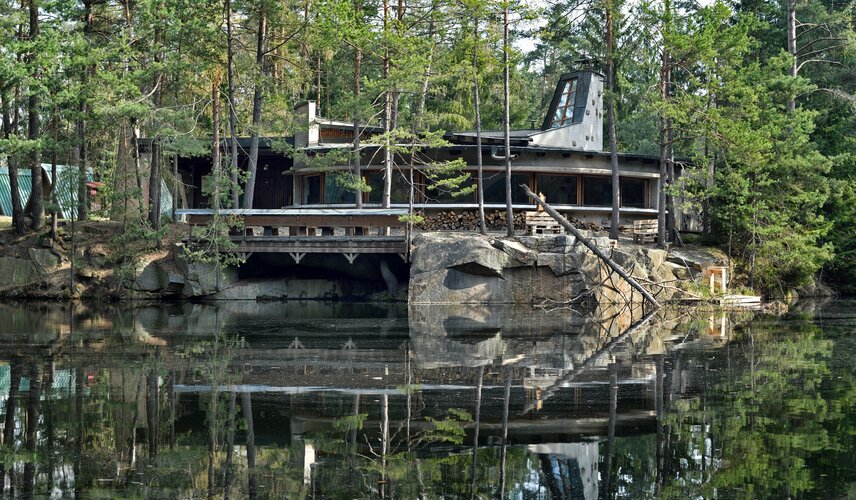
(66, 189)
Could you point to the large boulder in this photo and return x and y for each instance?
(202, 279)
(459, 268)
(44, 259)
(471, 254)
(146, 277)
(15, 271)
(696, 259)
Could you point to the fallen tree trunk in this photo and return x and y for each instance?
(585, 241)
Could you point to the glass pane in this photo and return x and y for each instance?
(400, 187)
(443, 195)
(334, 192)
(569, 112)
(312, 190)
(562, 100)
(597, 191)
(558, 189)
(494, 188)
(633, 192)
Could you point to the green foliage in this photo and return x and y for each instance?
(449, 429)
(350, 422)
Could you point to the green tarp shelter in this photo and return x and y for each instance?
(66, 189)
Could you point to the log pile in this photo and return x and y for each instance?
(457, 220)
(453, 220)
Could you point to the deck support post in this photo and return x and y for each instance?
(297, 256)
(351, 257)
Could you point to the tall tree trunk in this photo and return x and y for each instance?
(10, 127)
(155, 185)
(249, 191)
(358, 64)
(36, 202)
(396, 94)
(33, 417)
(792, 46)
(506, 119)
(477, 423)
(215, 147)
(54, 178)
(663, 125)
(247, 412)
(661, 191)
(230, 446)
(233, 115)
(387, 113)
(81, 149)
(610, 113)
(155, 170)
(476, 98)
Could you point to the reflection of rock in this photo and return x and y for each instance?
(472, 269)
(572, 465)
(289, 288)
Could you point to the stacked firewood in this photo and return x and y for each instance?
(460, 220)
(586, 226)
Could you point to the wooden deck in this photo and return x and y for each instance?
(312, 231)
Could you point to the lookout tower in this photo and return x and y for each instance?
(574, 119)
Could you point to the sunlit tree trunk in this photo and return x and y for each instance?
(387, 113)
(610, 116)
(249, 192)
(476, 98)
(506, 119)
(10, 128)
(36, 202)
(233, 116)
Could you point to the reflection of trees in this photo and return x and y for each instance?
(763, 417)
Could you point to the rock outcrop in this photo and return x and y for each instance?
(456, 268)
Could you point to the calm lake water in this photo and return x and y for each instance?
(314, 400)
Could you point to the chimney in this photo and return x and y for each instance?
(307, 133)
(574, 118)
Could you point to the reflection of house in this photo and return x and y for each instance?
(563, 159)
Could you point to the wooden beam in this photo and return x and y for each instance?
(591, 246)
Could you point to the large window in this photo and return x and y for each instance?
(494, 188)
(597, 192)
(444, 194)
(312, 190)
(633, 192)
(564, 113)
(400, 187)
(558, 189)
(335, 192)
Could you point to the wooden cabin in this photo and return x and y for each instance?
(563, 159)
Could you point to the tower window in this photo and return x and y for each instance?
(565, 107)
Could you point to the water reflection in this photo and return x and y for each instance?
(271, 400)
